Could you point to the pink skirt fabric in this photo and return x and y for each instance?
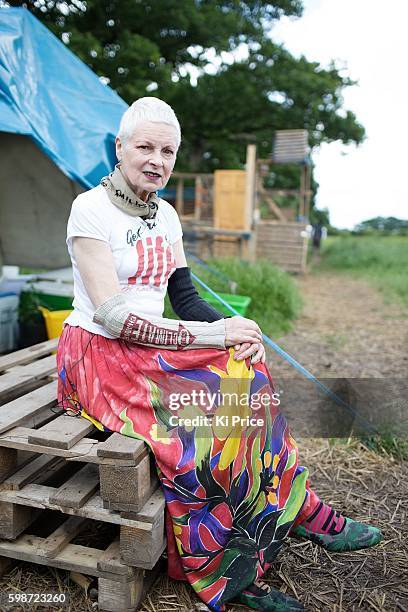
(233, 487)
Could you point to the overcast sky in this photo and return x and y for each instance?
(370, 36)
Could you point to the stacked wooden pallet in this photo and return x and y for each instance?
(284, 244)
(50, 461)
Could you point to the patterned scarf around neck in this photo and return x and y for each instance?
(122, 196)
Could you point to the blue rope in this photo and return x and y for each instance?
(293, 362)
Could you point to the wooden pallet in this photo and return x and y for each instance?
(52, 461)
(120, 588)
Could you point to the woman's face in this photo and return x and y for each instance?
(148, 157)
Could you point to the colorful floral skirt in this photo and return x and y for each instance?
(227, 463)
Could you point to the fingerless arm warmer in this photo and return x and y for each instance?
(185, 300)
(116, 316)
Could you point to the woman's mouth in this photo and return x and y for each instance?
(152, 176)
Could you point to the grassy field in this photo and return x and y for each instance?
(275, 300)
(383, 260)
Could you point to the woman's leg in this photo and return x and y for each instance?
(331, 530)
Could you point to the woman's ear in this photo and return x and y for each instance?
(118, 146)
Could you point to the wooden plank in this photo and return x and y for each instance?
(55, 473)
(8, 462)
(78, 489)
(20, 410)
(28, 355)
(114, 596)
(126, 488)
(6, 565)
(272, 246)
(21, 378)
(142, 548)
(73, 557)
(29, 472)
(85, 450)
(23, 458)
(14, 519)
(118, 446)
(180, 196)
(151, 511)
(45, 415)
(63, 432)
(198, 204)
(110, 561)
(38, 496)
(66, 532)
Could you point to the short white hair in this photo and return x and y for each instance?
(147, 109)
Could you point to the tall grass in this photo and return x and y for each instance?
(275, 300)
(381, 259)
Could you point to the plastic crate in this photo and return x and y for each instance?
(50, 295)
(54, 321)
(239, 302)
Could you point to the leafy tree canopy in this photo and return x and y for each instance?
(385, 225)
(141, 46)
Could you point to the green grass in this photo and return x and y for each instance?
(388, 443)
(275, 299)
(383, 260)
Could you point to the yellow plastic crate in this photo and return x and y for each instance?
(54, 320)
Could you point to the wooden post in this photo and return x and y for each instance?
(250, 184)
(8, 462)
(198, 198)
(308, 176)
(302, 193)
(115, 595)
(180, 197)
(125, 487)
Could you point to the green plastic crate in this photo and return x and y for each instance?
(239, 302)
(50, 295)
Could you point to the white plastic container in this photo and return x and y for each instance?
(8, 322)
(12, 281)
(62, 275)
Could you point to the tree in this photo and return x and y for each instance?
(151, 46)
(135, 43)
(270, 89)
(383, 225)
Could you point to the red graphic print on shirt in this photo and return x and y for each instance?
(155, 262)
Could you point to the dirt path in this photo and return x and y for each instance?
(347, 330)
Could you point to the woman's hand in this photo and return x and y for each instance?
(246, 349)
(239, 330)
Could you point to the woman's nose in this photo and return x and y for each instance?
(156, 159)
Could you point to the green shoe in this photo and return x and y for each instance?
(259, 596)
(353, 536)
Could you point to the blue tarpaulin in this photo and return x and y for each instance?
(50, 95)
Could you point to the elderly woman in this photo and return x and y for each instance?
(233, 487)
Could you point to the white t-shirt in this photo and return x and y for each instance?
(142, 252)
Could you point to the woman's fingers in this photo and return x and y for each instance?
(259, 356)
(246, 349)
(243, 352)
